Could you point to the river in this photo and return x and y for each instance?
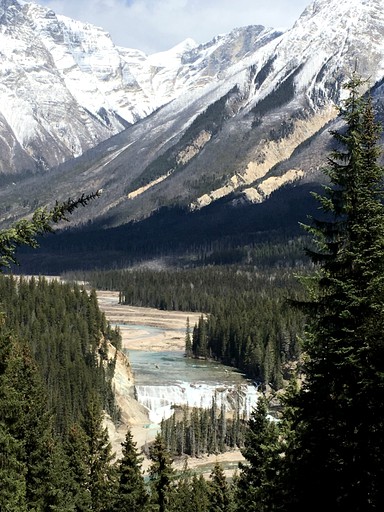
(154, 343)
(165, 379)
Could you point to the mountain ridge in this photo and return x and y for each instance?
(254, 115)
(71, 88)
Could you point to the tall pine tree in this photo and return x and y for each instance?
(255, 491)
(101, 473)
(30, 456)
(219, 491)
(161, 475)
(334, 457)
(131, 492)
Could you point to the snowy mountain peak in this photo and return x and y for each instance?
(174, 56)
(231, 116)
(67, 87)
(347, 13)
(185, 46)
(323, 46)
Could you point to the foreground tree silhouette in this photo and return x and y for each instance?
(31, 465)
(161, 476)
(254, 489)
(335, 455)
(219, 491)
(102, 478)
(131, 492)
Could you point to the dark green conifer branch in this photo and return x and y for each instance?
(26, 231)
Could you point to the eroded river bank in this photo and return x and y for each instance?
(150, 330)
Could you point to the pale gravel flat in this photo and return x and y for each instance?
(168, 321)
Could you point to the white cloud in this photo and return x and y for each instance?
(155, 25)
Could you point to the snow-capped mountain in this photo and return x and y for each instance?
(240, 116)
(65, 86)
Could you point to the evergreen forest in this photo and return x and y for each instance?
(195, 431)
(321, 341)
(246, 319)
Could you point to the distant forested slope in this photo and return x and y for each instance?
(249, 323)
(215, 234)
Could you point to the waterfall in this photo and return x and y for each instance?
(160, 399)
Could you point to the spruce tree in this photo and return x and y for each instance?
(200, 494)
(13, 468)
(161, 475)
(131, 492)
(12, 473)
(77, 450)
(101, 473)
(219, 493)
(188, 340)
(184, 498)
(29, 450)
(262, 451)
(334, 457)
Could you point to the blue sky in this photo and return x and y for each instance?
(156, 25)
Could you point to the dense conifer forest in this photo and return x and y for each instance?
(326, 450)
(213, 235)
(68, 338)
(196, 432)
(247, 321)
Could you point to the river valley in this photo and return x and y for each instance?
(158, 375)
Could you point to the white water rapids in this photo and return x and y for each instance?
(159, 400)
(166, 379)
